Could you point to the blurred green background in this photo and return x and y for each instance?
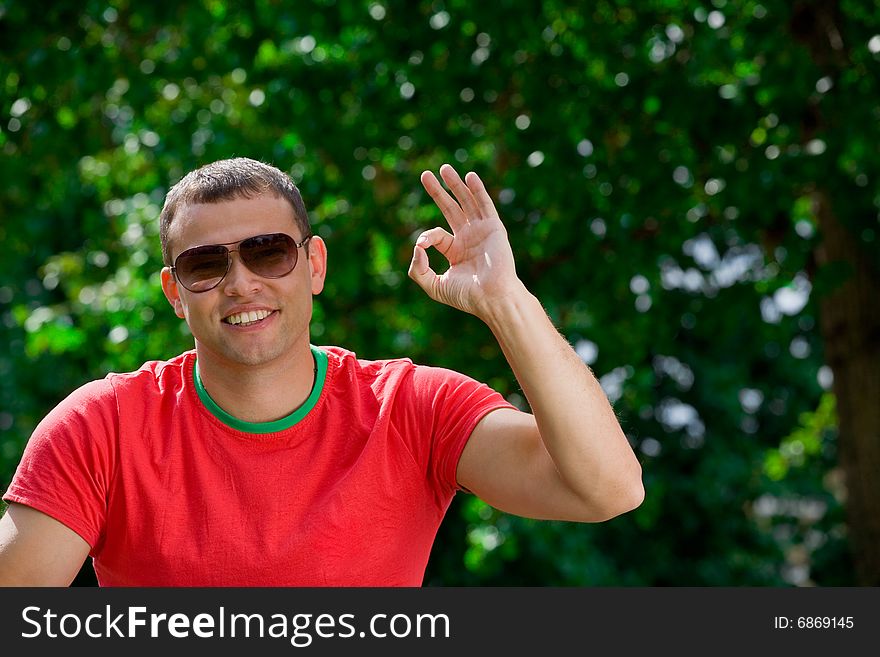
(691, 188)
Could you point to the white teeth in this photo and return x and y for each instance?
(247, 317)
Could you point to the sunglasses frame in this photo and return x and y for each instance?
(229, 253)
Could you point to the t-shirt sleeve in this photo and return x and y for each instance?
(67, 466)
(455, 405)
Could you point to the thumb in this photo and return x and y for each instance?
(420, 270)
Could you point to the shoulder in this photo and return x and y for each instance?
(346, 362)
(157, 376)
(396, 373)
(341, 359)
(104, 394)
(83, 401)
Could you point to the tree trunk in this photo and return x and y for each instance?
(850, 313)
(850, 325)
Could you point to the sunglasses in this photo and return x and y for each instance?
(203, 267)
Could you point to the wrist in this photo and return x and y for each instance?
(509, 306)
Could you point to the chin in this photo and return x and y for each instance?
(254, 357)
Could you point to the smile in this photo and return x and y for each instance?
(247, 318)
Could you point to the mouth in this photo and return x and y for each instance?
(247, 318)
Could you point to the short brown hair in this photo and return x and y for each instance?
(225, 180)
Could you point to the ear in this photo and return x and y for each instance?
(172, 293)
(317, 263)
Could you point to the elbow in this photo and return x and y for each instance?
(627, 495)
(636, 487)
(624, 503)
(634, 490)
(636, 496)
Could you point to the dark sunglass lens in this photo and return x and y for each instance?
(202, 268)
(272, 256)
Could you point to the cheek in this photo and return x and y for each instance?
(192, 311)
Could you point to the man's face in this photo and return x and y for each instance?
(284, 331)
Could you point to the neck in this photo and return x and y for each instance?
(262, 393)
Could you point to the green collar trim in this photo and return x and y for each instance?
(276, 425)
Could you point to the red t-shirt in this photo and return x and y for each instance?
(168, 490)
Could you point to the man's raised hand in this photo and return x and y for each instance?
(481, 264)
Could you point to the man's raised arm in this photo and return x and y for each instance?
(567, 460)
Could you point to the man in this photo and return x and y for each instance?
(259, 459)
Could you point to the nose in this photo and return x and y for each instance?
(240, 281)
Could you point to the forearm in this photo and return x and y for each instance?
(574, 418)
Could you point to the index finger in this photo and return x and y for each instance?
(480, 195)
(463, 194)
(448, 206)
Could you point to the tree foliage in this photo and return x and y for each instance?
(657, 165)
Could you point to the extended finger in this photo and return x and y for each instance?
(462, 192)
(448, 206)
(480, 195)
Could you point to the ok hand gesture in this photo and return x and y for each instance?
(481, 266)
